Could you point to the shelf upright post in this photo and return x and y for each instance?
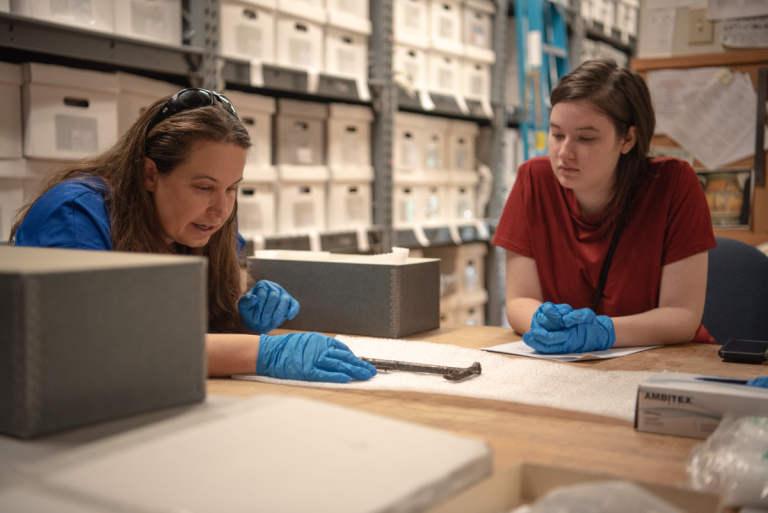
(494, 268)
(384, 96)
(211, 68)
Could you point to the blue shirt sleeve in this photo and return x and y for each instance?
(70, 215)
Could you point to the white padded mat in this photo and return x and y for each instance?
(519, 380)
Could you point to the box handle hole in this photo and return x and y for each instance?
(76, 102)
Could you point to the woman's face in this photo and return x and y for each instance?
(584, 149)
(195, 200)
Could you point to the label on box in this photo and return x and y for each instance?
(692, 405)
(304, 155)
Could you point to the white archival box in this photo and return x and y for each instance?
(68, 113)
(86, 14)
(411, 25)
(301, 198)
(300, 133)
(11, 194)
(349, 135)
(250, 455)
(312, 10)
(349, 197)
(346, 54)
(256, 112)
(349, 15)
(256, 209)
(609, 16)
(476, 81)
(626, 17)
(435, 150)
(420, 197)
(136, 95)
(461, 145)
(247, 31)
(445, 23)
(444, 73)
(463, 195)
(409, 141)
(410, 67)
(151, 20)
(478, 30)
(10, 106)
(299, 43)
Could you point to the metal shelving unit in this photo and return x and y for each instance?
(198, 63)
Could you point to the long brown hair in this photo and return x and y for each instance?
(133, 219)
(624, 97)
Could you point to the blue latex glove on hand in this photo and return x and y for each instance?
(310, 357)
(561, 329)
(759, 382)
(266, 306)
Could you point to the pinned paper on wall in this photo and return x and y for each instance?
(746, 33)
(670, 88)
(657, 32)
(718, 123)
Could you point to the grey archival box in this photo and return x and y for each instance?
(88, 336)
(374, 300)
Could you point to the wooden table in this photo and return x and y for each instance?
(535, 434)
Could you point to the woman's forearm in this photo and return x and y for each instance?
(231, 353)
(520, 312)
(666, 325)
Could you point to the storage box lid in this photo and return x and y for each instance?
(463, 127)
(269, 4)
(245, 102)
(404, 119)
(344, 111)
(303, 109)
(352, 173)
(464, 177)
(143, 86)
(485, 6)
(304, 174)
(24, 260)
(12, 168)
(10, 74)
(70, 77)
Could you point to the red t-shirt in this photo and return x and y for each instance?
(668, 221)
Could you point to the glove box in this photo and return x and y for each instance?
(353, 297)
(89, 336)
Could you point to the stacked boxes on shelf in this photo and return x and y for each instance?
(351, 173)
(152, 20)
(302, 35)
(616, 18)
(135, 95)
(256, 194)
(299, 144)
(435, 178)
(442, 52)
(462, 282)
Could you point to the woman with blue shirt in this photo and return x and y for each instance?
(169, 185)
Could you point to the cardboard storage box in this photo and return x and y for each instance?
(677, 403)
(526, 483)
(353, 298)
(88, 336)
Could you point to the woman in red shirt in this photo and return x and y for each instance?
(605, 246)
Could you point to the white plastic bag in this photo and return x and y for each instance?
(733, 462)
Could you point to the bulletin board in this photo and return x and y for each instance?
(746, 61)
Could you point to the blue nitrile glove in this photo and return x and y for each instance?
(310, 357)
(561, 329)
(266, 306)
(759, 382)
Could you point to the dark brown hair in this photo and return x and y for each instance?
(624, 97)
(133, 219)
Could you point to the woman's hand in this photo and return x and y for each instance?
(310, 357)
(266, 306)
(561, 329)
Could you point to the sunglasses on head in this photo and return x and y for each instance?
(189, 99)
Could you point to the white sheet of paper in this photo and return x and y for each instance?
(657, 32)
(718, 119)
(523, 349)
(724, 9)
(670, 87)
